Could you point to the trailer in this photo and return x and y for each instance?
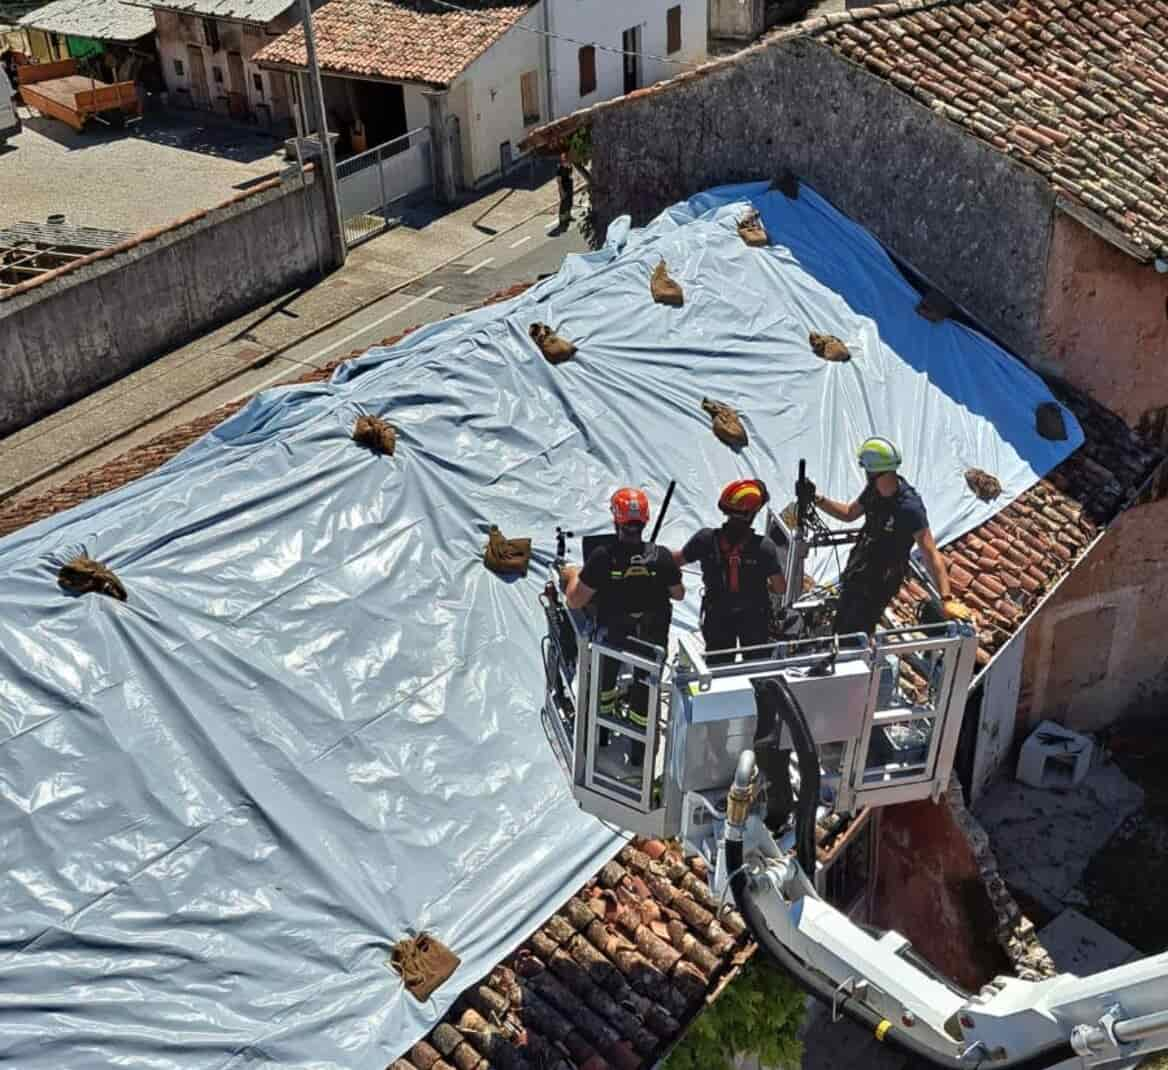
(58, 91)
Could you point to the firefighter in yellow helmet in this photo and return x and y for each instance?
(894, 520)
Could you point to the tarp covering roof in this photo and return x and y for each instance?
(314, 725)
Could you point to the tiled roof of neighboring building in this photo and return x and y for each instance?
(1076, 89)
(102, 20)
(1005, 567)
(397, 40)
(260, 12)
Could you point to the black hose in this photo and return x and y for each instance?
(774, 697)
(777, 706)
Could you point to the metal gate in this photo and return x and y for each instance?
(370, 184)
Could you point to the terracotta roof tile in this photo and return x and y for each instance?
(398, 40)
(1077, 91)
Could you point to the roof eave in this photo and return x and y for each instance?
(331, 72)
(1105, 229)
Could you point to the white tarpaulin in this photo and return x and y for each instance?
(314, 726)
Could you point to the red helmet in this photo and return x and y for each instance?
(630, 506)
(744, 496)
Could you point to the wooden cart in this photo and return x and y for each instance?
(57, 90)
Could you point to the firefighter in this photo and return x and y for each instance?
(740, 571)
(894, 519)
(632, 583)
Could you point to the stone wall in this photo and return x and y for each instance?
(972, 221)
(67, 333)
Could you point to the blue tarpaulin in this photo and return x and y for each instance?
(314, 728)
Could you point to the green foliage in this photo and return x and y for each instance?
(579, 145)
(758, 1015)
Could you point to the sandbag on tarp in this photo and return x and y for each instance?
(314, 729)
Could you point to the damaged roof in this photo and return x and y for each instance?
(102, 20)
(645, 926)
(1075, 91)
(397, 40)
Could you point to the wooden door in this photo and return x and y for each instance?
(200, 97)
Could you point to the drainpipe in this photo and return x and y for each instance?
(548, 53)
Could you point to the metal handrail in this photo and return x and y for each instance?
(352, 161)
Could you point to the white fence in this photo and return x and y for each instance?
(369, 184)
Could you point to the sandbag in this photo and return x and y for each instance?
(828, 347)
(1049, 422)
(555, 349)
(423, 963)
(83, 575)
(726, 423)
(374, 432)
(665, 291)
(751, 230)
(507, 557)
(985, 486)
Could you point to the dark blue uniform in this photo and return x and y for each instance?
(878, 563)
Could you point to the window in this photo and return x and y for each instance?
(673, 30)
(529, 89)
(211, 34)
(587, 70)
(217, 72)
(258, 81)
(178, 67)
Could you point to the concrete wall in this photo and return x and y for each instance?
(601, 22)
(1105, 322)
(973, 221)
(1097, 651)
(493, 103)
(63, 338)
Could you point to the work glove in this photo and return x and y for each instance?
(954, 609)
(566, 573)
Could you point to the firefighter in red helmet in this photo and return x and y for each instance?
(631, 583)
(740, 571)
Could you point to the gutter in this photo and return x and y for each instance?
(548, 66)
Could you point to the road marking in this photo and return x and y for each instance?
(515, 245)
(481, 264)
(376, 323)
(284, 373)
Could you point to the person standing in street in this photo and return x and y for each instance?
(567, 190)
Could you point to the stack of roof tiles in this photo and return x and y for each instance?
(609, 982)
(398, 40)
